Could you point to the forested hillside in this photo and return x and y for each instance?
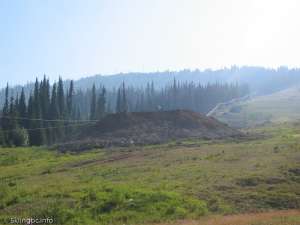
(50, 113)
(260, 80)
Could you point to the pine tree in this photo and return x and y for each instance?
(17, 136)
(6, 103)
(53, 134)
(36, 97)
(174, 95)
(101, 103)
(36, 136)
(5, 110)
(22, 109)
(31, 123)
(69, 109)
(124, 103)
(5, 116)
(118, 103)
(44, 97)
(70, 100)
(12, 123)
(93, 104)
(54, 111)
(61, 98)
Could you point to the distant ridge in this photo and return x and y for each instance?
(260, 80)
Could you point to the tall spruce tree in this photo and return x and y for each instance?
(61, 130)
(5, 116)
(118, 103)
(31, 124)
(22, 110)
(61, 98)
(101, 103)
(37, 135)
(53, 114)
(44, 97)
(93, 104)
(12, 123)
(69, 101)
(17, 136)
(54, 110)
(124, 103)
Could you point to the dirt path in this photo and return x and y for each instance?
(232, 101)
(113, 158)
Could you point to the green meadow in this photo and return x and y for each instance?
(153, 184)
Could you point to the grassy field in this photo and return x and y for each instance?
(290, 217)
(189, 181)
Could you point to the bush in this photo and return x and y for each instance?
(122, 205)
(118, 205)
(19, 137)
(58, 211)
(8, 197)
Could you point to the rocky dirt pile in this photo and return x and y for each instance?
(142, 128)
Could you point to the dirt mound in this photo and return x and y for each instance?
(142, 128)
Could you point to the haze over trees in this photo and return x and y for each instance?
(51, 113)
(260, 80)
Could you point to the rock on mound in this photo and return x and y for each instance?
(142, 128)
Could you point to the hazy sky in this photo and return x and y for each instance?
(76, 38)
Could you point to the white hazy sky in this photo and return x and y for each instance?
(77, 38)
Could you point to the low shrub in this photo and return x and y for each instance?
(123, 205)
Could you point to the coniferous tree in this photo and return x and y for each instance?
(5, 110)
(124, 103)
(69, 101)
(16, 136)
(118, 103)
(53, 114)
(31, 124)
(93, 104)
(101, 103)
(37, 132)
(54, 110)
(174, 95)
(44, 97)
(6, 102)
(5, 117)
(69, 109)
(61, 98)
(22, 109)
(61, 131)
(12, 123)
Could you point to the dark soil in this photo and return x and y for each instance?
(143, 128)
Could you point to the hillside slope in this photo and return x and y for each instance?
(158, 184)
(281, 106)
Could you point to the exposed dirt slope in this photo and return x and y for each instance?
(152, 128)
